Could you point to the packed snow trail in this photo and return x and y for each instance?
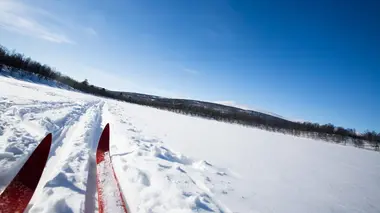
(167, 162)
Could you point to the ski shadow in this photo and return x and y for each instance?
(90, 196)
(61, 180)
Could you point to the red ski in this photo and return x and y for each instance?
(16, 196)
(110, 198)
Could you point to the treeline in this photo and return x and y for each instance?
(326, 132)
(15, 61)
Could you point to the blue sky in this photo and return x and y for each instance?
(305, 60)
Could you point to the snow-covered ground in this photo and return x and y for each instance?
(167, 162)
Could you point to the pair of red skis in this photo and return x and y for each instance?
(17, 194)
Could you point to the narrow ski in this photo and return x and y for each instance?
(110, 198)
(16, 196)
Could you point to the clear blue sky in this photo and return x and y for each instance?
(306, 60)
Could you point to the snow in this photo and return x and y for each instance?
(167, 162)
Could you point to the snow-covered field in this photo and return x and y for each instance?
(175, 163)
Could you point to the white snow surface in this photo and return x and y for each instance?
(167, 162)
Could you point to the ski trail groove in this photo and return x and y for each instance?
(18, 139)
(66, 181)
(91, 198)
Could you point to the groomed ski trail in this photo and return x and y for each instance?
(65, 188)
(23, 126)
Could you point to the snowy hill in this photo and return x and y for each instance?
(168, 162)
(216, 106)
(32, 78)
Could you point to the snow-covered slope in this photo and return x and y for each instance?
(32, 78)
(168, 162)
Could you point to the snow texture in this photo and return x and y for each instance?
(167, 162)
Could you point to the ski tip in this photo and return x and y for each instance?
(103, 144)
(31, 171)
(46, 144)
(107, 126)
(16, 196)
(49, 138)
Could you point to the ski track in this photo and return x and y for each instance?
(65, 187)
(21, 133)
(156, 178)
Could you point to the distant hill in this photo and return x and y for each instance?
(196, 104)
